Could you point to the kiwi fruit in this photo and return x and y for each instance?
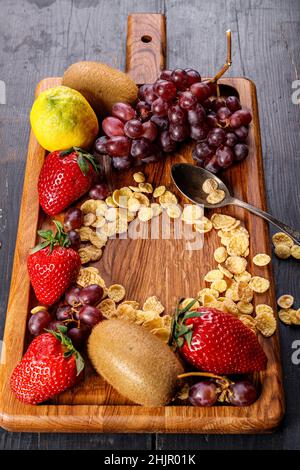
(101, 85)
(135, 362)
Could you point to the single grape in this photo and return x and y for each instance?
(123, 111)
(149, 131)
(192, 76)
(223, 114)
(54, 324)
(203, 151)
(207, 105)
(211, 164)
(212, 87)
(90, 315)
(178, 132)
(218, 103)
(199, 132)
(72, 295)
(141, 93)
(201, 90)
(63, 313)
(112, 126)
(161, 122)
(239, 118)
(154, 157)
(216, 137)
(199, 161)
(165, 89)
(243, 393)
(133, 128)
(39, 322)
(143, 110)
(231, 139)
(166, 75)
(242, 133)
(91, 294)
(179, 78)
(149, 95)
(99, 191)
(177, 115)
(212, 120)
(196, 115)
(73, 218)
(79, 336)
(166, 143)
(224, 156)
(100, 146)
(122, 163)
(118, 146)
(240, 152)
(140, 148)
(74, 239)
(187, 100)
(203, 394)
(159, 107)
(233, 103)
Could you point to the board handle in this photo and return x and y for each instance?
(145, 46)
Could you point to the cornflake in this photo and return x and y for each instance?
(89, 206)
(133, 204)
(295, 251)
(295, 316)
(89, 219)
(84, 233)
(191, 213)
(162, 333)
(285, 316)
(145, 214)
(222, 221)
(259, 284)
(282, 251)
(238, 244)
(209, 185)
(216, 196)
(116, 292)
(282, 238)
(220, 254)
(84, 255)
(213, 275)
(220, 285)
(203, 225)
(236, 264)
(285, 301)
(245, 292)
(159, 191)
(225, 271)
(167, 198)
(187, 301)
(152, 303)
(243, 277)
(265, 323)
(156, 209)
(108, 308)
(261, 259)
(260, 308)
(127, 312)
(146, 188)
(249, 322)
(174, 211)
(142, 198)
(139, 177)
(208, 290)
(132, 303)
(245, 307)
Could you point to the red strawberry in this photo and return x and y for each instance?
(52, 266)
(65, 176)
(218, 342)
(50, 365)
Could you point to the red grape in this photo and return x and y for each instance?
(199, 132)
(90, 315)
(143, 110)
(91, 294)
(74, 239)
(203, 394)
(39, 322)
(72, 295)
(78, 336)
(218, 103)
(159, 107)
(112, 126)
(233, 103)
(140, 148)
(166, 143)
(203, 151)
(243, 393)
(223, 114)
(133, 128)
(161, 122)
(149, 131)
(99, 191)
(64, 312)
(100, 145)
(241, 132)
(149, 95)
(240, 152)
(178, 132)
(216, 137)
(73, 218)
(122, 163)
(176, 115)
(118, 146)
(196, 115)
(192, 76)
(166, 75)
(180, 79)
(212, 87)
(242, 117)
(165, 89)
(212, 119)
(224, 156)
(211, 164)
(54, 324)
(141, 93)
(200, 90)
(123, 111)
(187, 100)
(231, 139)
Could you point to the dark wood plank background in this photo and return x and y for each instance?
(40, 38)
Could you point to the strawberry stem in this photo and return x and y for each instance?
(61, 335)
(83, 159)
(60, 238)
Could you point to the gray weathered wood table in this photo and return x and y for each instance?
(41, 37)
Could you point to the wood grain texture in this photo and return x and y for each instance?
(42, 38)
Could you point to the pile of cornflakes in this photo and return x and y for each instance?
(284, 246)
(287, 314)
(214, 194)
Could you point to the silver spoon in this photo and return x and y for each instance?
(189, 180)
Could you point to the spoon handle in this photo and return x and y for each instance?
(295, 234)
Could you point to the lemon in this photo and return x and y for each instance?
(62, 118)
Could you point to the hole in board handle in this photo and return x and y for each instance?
(146, 38)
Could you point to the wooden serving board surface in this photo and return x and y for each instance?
(145, 267)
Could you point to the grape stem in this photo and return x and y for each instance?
(224, 390)
(228, 60)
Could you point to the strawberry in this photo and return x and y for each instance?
(217, 342)
(52, 266)
(65, 176)
(50, 365)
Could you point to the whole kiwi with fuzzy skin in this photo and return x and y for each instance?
(101, 85)
(135, 362)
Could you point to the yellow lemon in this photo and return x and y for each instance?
(62, 118)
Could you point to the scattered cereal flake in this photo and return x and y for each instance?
(133, 204)
(89, 206)
(220, 285)
(167, 198)
(236, 264)
(249, 322)
(231, 306)
(261, 259)
(152, 303)
(97, 239)
(139, 177)
(109, 201)
(285, 316)
(99, 222)
(220, 254)
(216, 196)
(127, 312)
(154, 323)
(209, 185)
(245, 292)
(285, 301)
(238, 244)
(120, 196)
(89, 219)
(281, 238)
(145, 315)
(295, 251)
(203, 225)
(135, 189)
(259, 284)
(156, 209)
(116, 292)
(142, 198)
(108, 230)
(243, 277)
(121, 226)
(265, 323)
(245, 307)
(94, 252)
(101, 207)
(187, 301)
(132, 303)
(159, 191)
(191, 213)
(112, 214)
(263, 308)
(84, 255)
(295, 316)
(84, 233)
(174, 211)
(225, 271)
(282, 251)
(207, 299)
(222, 221)
(232, 228)
(38, 308)
(162, 333)
(108, 308)
(146, 188)
(145, 213)
(208, 290)
(213, 275)
(232, 293)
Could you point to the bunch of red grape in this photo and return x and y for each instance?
(176, 107)
(78, 312)
(242, 393)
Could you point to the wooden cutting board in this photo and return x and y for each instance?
(145, 267)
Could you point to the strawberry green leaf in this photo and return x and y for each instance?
(83, 165)
(188, 337)
(63, 153)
